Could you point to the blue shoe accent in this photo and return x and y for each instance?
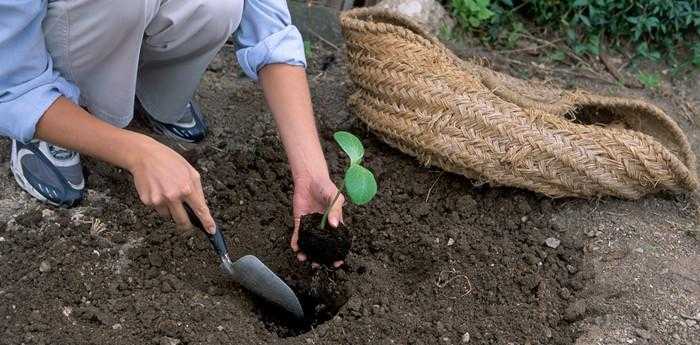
(192, 128)
(49, 173)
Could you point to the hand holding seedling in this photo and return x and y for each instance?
(360, 185)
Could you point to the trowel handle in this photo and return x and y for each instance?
(217, 239)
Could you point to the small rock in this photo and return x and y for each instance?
(639, 250)
(571, 268)
(557, 224)
(524, 206)
(354, 304)
(450, 242)
(642, 333)
(117, 326)
(168, 341)
(552, 242)
(167, 328)
(220, 328)
(44, 267)
(47, 214)
(524, 219)
(465, 337)
(591, 233)
(575, 311)
(429, 13)
(691, 322)
(155, 259)
(216, 65)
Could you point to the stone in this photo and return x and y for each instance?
(450, 242)
(465, 338)
(642, 333)
(44, 267)
(552, 242)
(428, 13)
(168, 341)
(575, 311)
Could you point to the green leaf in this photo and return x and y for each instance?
(351, 145)
(360, 184)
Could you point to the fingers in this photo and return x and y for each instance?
(163, 211)
(294, 242)
(177, 211)
(335, 216)
(198, 204)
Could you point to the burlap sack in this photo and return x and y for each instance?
(470, 120)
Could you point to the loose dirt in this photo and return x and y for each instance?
(436, 258)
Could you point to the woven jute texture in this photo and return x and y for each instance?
(468, 119)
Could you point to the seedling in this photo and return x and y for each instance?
(359, 182)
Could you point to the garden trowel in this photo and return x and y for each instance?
(250, 272)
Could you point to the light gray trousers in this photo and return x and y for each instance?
(157, 50)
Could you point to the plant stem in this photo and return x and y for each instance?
(328, 209)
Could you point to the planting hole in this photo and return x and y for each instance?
(320, 304)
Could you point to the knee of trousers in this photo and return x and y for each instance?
(121, 19)
(222, 18)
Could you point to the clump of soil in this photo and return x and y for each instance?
(324, 246)
(320, 298)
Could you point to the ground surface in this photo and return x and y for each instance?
(435, 259)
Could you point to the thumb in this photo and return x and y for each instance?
(335, 215)
(294, 243)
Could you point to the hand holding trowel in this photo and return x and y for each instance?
(250, 272)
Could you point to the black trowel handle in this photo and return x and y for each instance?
(217, 239)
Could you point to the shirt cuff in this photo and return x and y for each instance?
(283, 47)
(26, 111)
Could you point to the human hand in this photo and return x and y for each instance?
(164, 180)
(313, 196)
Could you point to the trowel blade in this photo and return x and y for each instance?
(252, 274)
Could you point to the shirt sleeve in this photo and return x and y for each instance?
(266, 36)
(28, 83)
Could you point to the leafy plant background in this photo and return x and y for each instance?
(656, 28)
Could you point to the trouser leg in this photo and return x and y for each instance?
(96, 44)
(180, 42)
(112, 48)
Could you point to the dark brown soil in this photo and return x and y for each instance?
(324, 246)
(435, 259)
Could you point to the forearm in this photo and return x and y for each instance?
(287, 94)
(70, 126)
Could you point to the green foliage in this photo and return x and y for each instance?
(654, 27)
(308, 48)
(649, 80)
(351, 145)
(360, 184)
(471, 13)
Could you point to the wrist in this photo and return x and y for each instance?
(134, 148)
(318, 174)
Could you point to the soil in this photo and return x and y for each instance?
(324, 246)
(436, 258)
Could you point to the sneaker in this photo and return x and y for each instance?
(191, 128)
(48, 172)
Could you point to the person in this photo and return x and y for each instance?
(73, 73)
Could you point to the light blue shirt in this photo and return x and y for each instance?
(29, 84)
